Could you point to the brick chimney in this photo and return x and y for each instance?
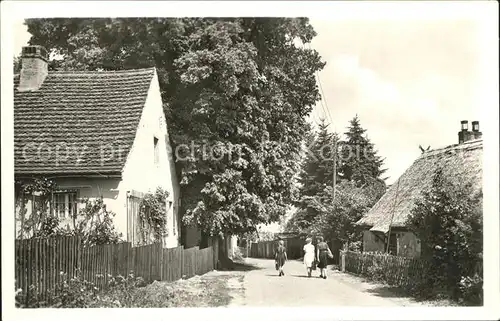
(475, 130)
(34, 68)
(465, 135)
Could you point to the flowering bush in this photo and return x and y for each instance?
(79, 293)
(95, 223)
(472, 289)
(29, 299)
(74, 293)
(49, 226)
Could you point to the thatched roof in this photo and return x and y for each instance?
(459, 162)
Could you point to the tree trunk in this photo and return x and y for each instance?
(224, 263)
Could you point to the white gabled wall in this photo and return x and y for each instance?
(140, 172)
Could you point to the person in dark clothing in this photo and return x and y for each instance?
(322, 253)
(280, 257)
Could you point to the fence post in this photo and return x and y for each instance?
(342, 263)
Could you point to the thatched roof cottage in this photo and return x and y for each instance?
(462, 161)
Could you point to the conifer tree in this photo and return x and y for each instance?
(360, 161)
(318, 166)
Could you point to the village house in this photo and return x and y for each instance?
(462, 161)
(95, 134)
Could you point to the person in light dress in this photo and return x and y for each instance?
(309, 256)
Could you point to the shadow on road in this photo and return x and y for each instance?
(240, 266)
(388, 292)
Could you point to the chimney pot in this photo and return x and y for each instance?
(475, 130)
(464, 135)
(465, 125)
(475, 126)
(34, 68)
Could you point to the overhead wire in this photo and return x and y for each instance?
(327, 114)
(324, 105)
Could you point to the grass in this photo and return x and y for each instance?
(209, 290)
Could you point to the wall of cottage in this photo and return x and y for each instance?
(91, 188)
(141, 173)
(372, 243)
(407, 243)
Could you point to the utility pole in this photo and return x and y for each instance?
(334, 167)
(392, 217)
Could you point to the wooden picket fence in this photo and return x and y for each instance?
(43, 262)
(390, 269)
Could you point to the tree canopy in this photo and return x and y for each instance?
(240, 87)
(358, 185)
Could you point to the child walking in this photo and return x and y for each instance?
(280, 257)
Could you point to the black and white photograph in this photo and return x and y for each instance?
(317, 155)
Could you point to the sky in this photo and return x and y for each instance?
(410, 82)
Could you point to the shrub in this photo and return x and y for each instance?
(29, 299)
(74, 293)
(471, 289)
(153, 215)
(49, 226)
(377, 271)
(79, 293)
(95, 224)
(448, 221)
(121, 291)
(39, 191)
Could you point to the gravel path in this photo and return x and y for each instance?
(263, 287)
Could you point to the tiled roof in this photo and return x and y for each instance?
(78, 122)
(462, 162)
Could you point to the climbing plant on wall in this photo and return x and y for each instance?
(39, 191)
(153, 215)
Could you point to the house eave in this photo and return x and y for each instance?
(367, 227)
(52, 175)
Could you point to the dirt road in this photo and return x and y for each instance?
(263, 287)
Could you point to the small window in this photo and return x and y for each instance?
(65, 204)
(156, 151)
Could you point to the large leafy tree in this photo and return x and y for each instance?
(237, 87)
